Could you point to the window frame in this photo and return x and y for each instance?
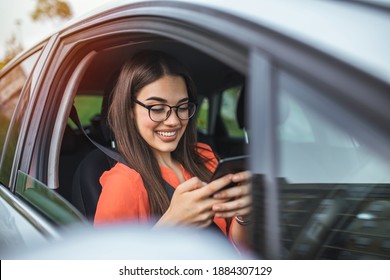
(349, 85)
(19, 113)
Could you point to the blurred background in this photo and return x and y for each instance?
(24, 23)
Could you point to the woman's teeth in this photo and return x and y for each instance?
(166, 134)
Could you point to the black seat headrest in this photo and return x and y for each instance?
(240, 110)
(68, 140)
(107, 98)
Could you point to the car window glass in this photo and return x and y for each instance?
(11, 85)
(47, 201)
(295, 126)
(15, 230)
(228, 111)
(323, 153)
(335, 191)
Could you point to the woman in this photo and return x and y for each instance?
(151, 117)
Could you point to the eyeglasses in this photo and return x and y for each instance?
(161, 112)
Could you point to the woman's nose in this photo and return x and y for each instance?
(172, 119)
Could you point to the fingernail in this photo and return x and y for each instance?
(217, 195)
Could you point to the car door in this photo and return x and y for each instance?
(335, 178)
(15, 87)
(321, 185)
(30, 211)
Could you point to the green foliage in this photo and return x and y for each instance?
(4, 123)
(228, 111)
(202, 120)
(87, 107)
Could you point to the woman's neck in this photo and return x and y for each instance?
(169, 162)
(165, 159)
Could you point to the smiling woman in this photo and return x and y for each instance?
(162, 153)
(310, 111)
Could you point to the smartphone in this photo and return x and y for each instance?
(230, 165)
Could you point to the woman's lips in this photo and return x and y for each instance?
(167, 136)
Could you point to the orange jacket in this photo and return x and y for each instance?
(124, 197)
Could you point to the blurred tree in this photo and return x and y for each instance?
(44, 9)
(51, 9)
(13, 46)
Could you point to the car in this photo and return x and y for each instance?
(303, 87)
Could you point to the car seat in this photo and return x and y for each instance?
(86, 188)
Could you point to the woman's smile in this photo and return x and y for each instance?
(167, 135)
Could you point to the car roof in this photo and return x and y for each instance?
(350, 31)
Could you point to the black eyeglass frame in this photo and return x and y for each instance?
(149, 107)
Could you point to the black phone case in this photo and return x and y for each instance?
(230, 165)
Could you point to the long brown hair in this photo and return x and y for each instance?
(142, 69)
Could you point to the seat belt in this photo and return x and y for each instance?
(109, 152)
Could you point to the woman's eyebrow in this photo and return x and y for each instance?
(183, 100)
(162, 100)
(159, 99)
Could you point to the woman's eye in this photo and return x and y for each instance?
(158, 109)
(183, 107)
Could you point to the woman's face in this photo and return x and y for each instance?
(163, 137)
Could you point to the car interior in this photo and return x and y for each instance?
(212, 79)
(313, 212)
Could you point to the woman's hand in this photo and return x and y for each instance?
(237, 200)
(192, 202)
